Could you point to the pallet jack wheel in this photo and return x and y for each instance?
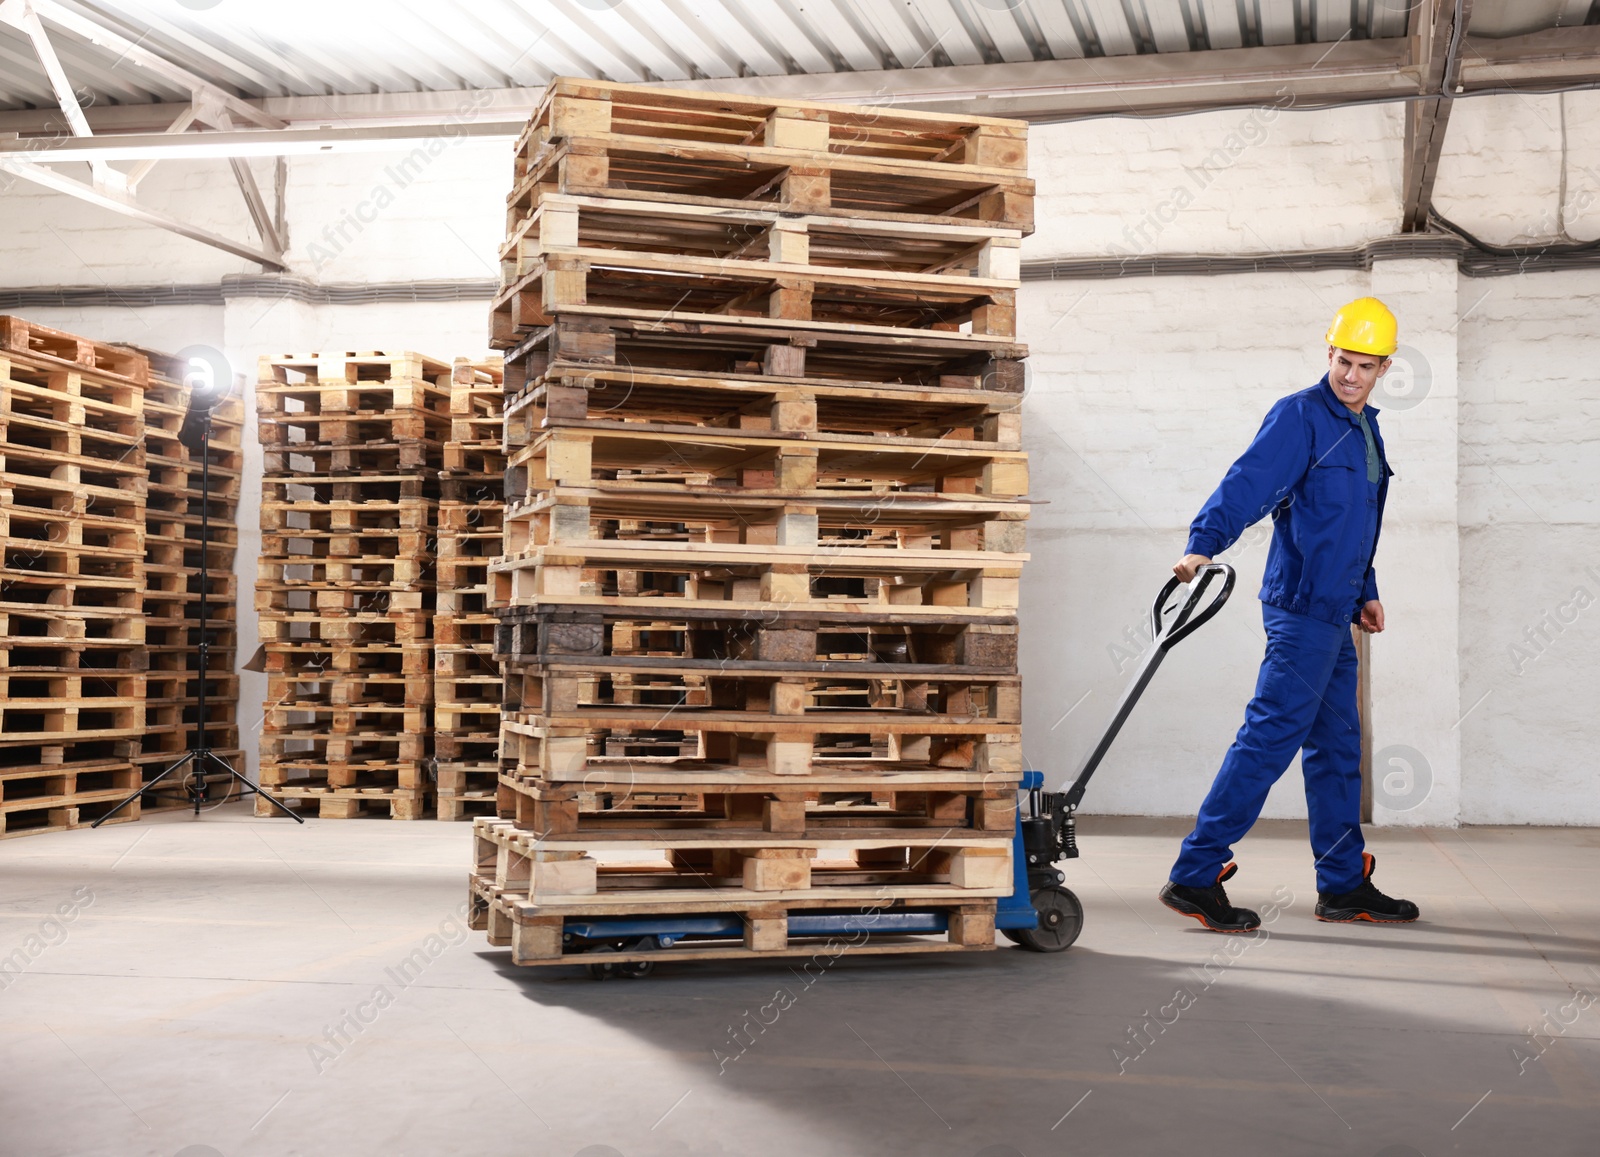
(1060, 921)
(631, 969)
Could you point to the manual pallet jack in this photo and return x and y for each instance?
(1041, 914)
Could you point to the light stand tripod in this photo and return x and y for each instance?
(199, 758)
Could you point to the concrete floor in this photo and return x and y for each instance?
(179, 1010)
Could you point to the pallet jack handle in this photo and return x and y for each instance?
(1167, 631)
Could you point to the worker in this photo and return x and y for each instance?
(1317, 465)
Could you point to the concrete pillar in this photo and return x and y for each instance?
(1416, 690)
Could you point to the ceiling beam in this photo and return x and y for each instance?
(132, 53)
(21, 15)
(1554, 58)
(1437, 29)
(427, 112)
(1149, 85)
(50, 179)
(224, 143)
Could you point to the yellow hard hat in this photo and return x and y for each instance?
(1365, 326)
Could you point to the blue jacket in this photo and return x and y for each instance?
(1307, 468)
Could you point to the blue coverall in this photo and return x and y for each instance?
(1307, 467)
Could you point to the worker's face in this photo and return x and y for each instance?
(1352, 375)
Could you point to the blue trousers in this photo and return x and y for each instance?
(1305, 701)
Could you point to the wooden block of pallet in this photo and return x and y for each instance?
(454, 808)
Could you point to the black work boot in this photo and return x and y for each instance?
(1210, 905)
(1365, 902)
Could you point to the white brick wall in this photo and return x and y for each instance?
(1224, 182)
(1500, 171)
(1530, 543)
(1142, 392)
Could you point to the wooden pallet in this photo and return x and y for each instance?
(907, 583)
(411, 492)
(317, 658)
(607, 689)
(55, 347)
(347, 454)
(651, 114)
(363, 380)
(308, 769)
(397, 628)
(766, 242)
(706, 289)
(57, 796)
(720, 149)
(65, 815)
(653, 796)
(604, 865)
(755, 352)
(343, 743)
(621, 229)
(863, 526)
(536, 938)
(712, 463)
(824, 639)
(622, 399)
(349, 803)
(377, 572)
(344, 599)
(566, 749)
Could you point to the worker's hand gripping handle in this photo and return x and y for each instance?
(1197, 609)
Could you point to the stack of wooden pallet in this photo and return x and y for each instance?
(175, 569)
(166, 581)
(353, 447)
(765, 519)
(72, 519)
(467, 676)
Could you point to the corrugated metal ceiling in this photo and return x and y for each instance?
(324, 47)
(320, 47)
